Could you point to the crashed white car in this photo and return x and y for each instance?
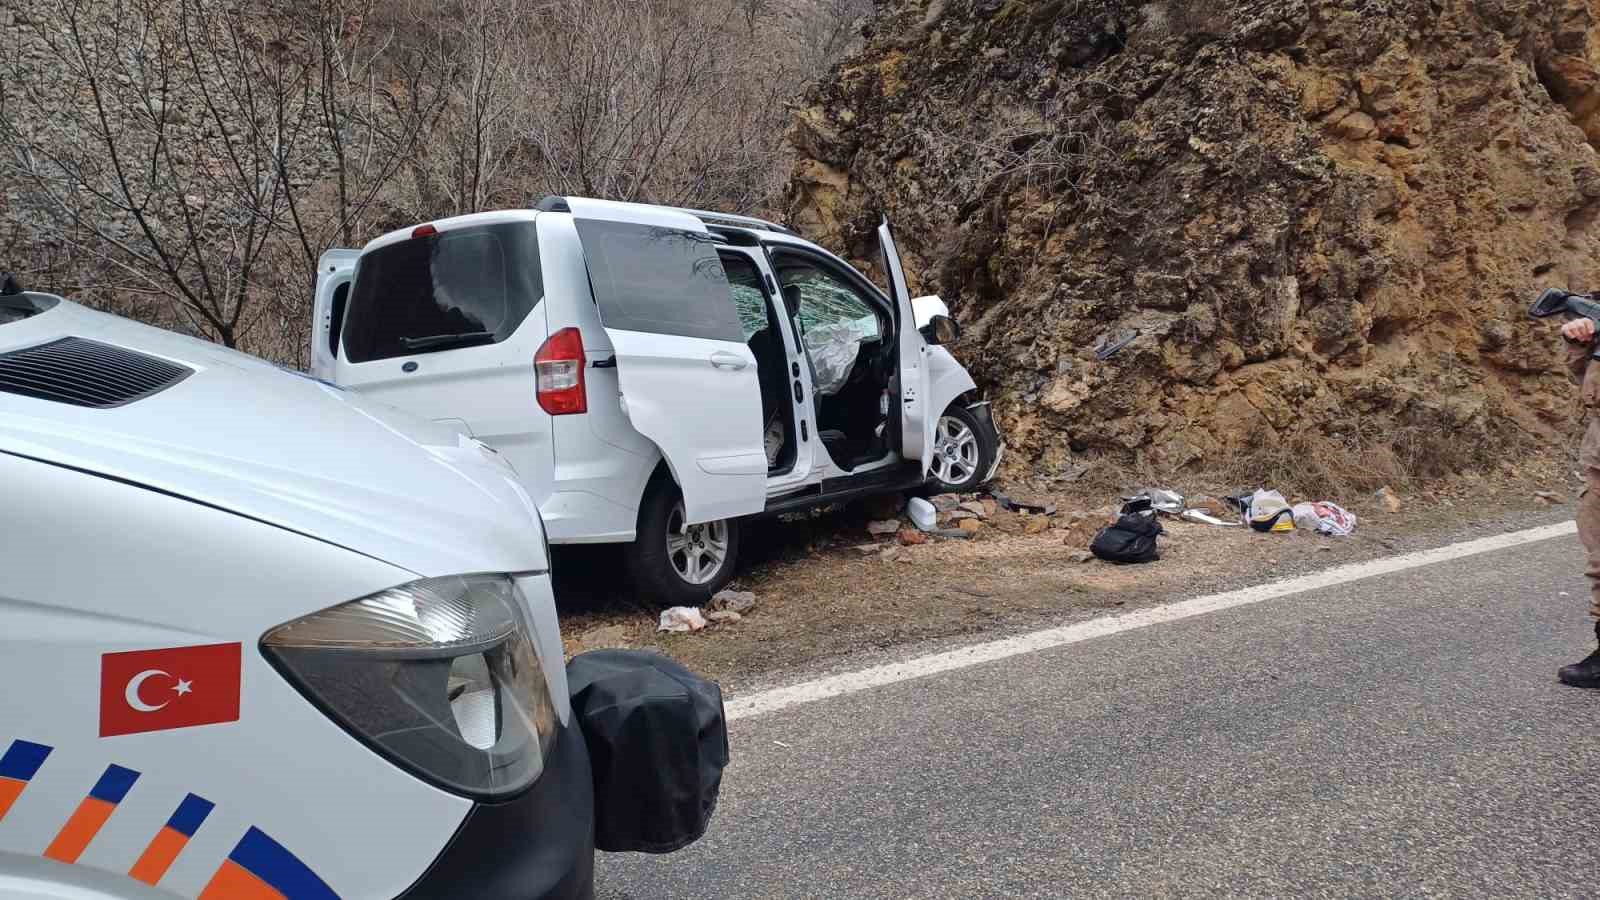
(264, 639)
(656, 374)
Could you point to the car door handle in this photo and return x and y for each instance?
(722, 359)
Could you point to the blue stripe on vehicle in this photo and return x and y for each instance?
(23, 759)
(190, 815)
(266, 859)
(114, 784)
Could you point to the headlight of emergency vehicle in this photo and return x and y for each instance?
(439, 675)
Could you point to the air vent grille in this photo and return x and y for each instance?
(86, 373)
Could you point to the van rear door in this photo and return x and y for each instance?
(688, 379)
(334, 270)
(444, 322)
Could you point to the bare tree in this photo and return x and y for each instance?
(184, 149)
(186, 162)
(646, 102)
(486, 74)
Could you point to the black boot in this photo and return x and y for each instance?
(1584, 674)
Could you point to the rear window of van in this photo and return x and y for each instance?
(456, 288)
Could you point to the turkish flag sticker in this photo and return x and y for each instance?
(179, 687)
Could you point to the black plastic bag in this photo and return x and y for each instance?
(658, 742)
(1131, 540)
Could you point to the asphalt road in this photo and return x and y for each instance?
(1394, 736)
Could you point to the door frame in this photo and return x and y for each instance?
(335, 267)
(863, 284)
(798, 377)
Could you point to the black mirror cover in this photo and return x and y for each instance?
(941, 330)
(658, 742)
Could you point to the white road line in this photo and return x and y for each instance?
(851, 682)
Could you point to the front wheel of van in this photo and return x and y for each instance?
(672, 562)
(963, 451)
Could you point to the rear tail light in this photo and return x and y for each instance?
(559, 366)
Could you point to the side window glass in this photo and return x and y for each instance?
(827, 300)
(748, 298)
(659, 280)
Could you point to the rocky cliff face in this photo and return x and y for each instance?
(1323, 219)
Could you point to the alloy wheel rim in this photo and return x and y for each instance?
(955, 451)
(697, 552)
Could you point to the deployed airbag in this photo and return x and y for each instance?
(833, 349)
(658, 742)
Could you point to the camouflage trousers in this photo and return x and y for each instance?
(1589, 511)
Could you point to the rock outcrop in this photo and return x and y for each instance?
(1322, 218)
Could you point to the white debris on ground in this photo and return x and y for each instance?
(681, 619)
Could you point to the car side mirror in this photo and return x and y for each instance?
(941, 330)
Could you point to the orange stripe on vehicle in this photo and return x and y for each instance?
(158, 857)
(10, 790)
(234, 882)
(80, 829)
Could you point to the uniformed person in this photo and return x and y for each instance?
(1580, 338)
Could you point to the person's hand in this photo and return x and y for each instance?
(1579, 331)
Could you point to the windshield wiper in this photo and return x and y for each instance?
(447, 340)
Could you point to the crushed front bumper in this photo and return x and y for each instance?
(538, 845)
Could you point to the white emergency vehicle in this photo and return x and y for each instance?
(262, 638)
(657, 374)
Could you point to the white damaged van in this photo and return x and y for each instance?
(654, 374)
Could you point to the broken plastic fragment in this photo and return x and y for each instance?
(682, 618)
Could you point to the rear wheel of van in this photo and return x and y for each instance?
(963, 451)
(672, 562)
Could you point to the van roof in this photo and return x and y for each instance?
(554, 203)
(495, 217)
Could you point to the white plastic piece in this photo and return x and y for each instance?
(682, 618)
(923, 515)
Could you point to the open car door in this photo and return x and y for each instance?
(916, 420)
(335, 268)
(688, 379)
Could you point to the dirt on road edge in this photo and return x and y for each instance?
(827, 591)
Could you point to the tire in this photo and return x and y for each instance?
(964, 448)
(687, 573)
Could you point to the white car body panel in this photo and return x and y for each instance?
(284, 767)
(917, 415)
(948, 380)
(714, 448)
(259, 525)
(403, 507)
(600, 462)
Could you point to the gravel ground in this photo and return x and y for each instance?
(825, 605)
